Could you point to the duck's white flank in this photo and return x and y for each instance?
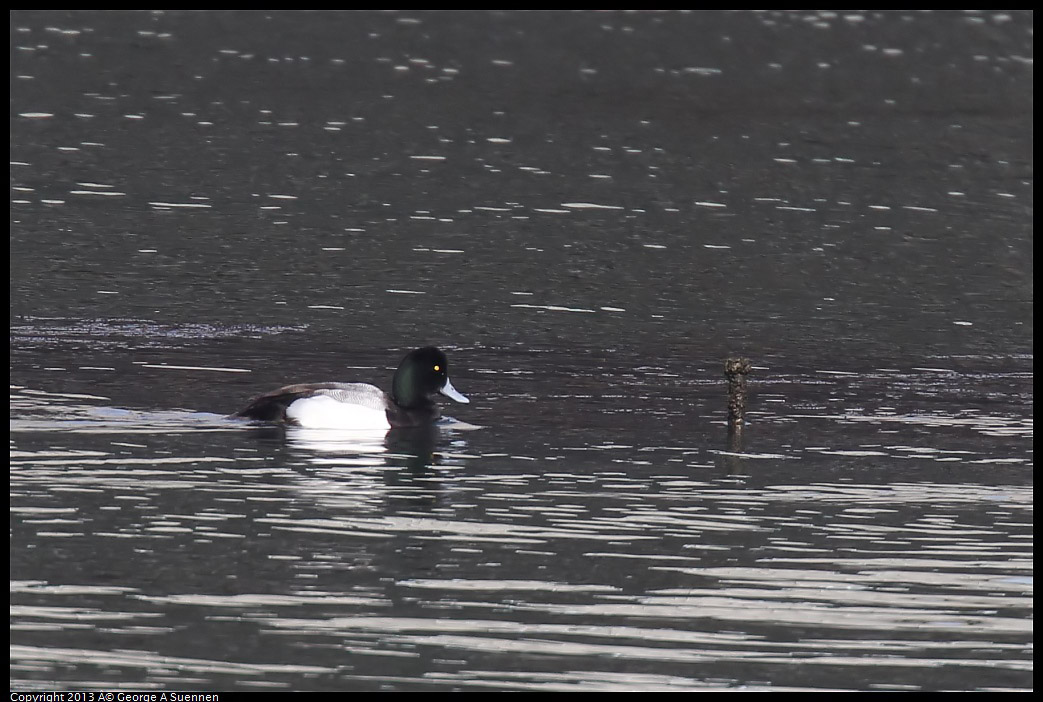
(325, 412)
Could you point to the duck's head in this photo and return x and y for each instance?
(423, 373)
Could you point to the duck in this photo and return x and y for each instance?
(422, 374)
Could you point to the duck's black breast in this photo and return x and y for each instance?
(271, 407)
(418, 415)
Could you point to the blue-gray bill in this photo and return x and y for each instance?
(449, 391)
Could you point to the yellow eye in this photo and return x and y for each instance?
(438, 368)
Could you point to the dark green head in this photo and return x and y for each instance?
(423, 373)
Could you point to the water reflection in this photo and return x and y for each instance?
(356, 448)
(451, 561)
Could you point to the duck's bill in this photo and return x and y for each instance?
(449, 391)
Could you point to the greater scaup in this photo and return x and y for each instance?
(360, 406)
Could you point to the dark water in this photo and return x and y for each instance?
(589, 211)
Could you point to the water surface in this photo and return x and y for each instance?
(588, 211)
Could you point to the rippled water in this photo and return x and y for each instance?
(862, 550)
(589, 211)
